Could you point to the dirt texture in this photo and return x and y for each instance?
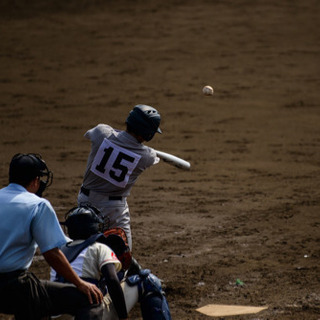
(248, 209)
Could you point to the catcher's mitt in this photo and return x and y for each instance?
(116, 239)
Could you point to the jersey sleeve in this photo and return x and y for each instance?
(106, 256)
(45, 227)
(151, 158)
(98, 131)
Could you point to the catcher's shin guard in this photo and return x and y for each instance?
(153, 302)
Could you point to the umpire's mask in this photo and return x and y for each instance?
(25, 167)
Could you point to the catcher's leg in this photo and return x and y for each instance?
(134, 267)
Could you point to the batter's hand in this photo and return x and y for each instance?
(91, 291)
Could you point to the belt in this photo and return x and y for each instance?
(11, 274)
(86, 192)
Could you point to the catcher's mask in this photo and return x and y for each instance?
(144, 121)
(83, 221)
(24, 167)
(116, 239)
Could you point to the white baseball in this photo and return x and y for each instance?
(207, 90)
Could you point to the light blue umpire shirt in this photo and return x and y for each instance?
(26, 222)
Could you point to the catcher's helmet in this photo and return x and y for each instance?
(25, 167)
(83, 221)
(144, 121)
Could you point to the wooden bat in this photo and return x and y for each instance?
(173, 160)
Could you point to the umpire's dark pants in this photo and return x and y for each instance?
(29, 298)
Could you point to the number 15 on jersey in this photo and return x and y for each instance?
(114, 164)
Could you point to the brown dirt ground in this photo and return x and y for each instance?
(249, 207)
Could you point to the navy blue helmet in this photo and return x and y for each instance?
(144, 121)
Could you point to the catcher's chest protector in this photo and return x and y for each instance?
(72, 252)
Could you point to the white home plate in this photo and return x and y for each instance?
(227, 310)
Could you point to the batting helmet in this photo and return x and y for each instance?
(26, 167)
(83, 221)
(144, 121)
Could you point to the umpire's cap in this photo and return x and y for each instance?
(24, 167)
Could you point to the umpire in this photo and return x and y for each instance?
(27, 222)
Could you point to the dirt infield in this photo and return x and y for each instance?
(249, 207)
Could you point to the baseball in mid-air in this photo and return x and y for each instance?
(207, 90)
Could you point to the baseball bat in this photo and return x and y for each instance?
(173, 160)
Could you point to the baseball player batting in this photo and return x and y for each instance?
(116, 160)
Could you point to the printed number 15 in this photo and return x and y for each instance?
(101, 167)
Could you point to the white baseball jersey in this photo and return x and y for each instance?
(89, 262)
(115, 161)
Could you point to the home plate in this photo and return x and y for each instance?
(227, 310)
